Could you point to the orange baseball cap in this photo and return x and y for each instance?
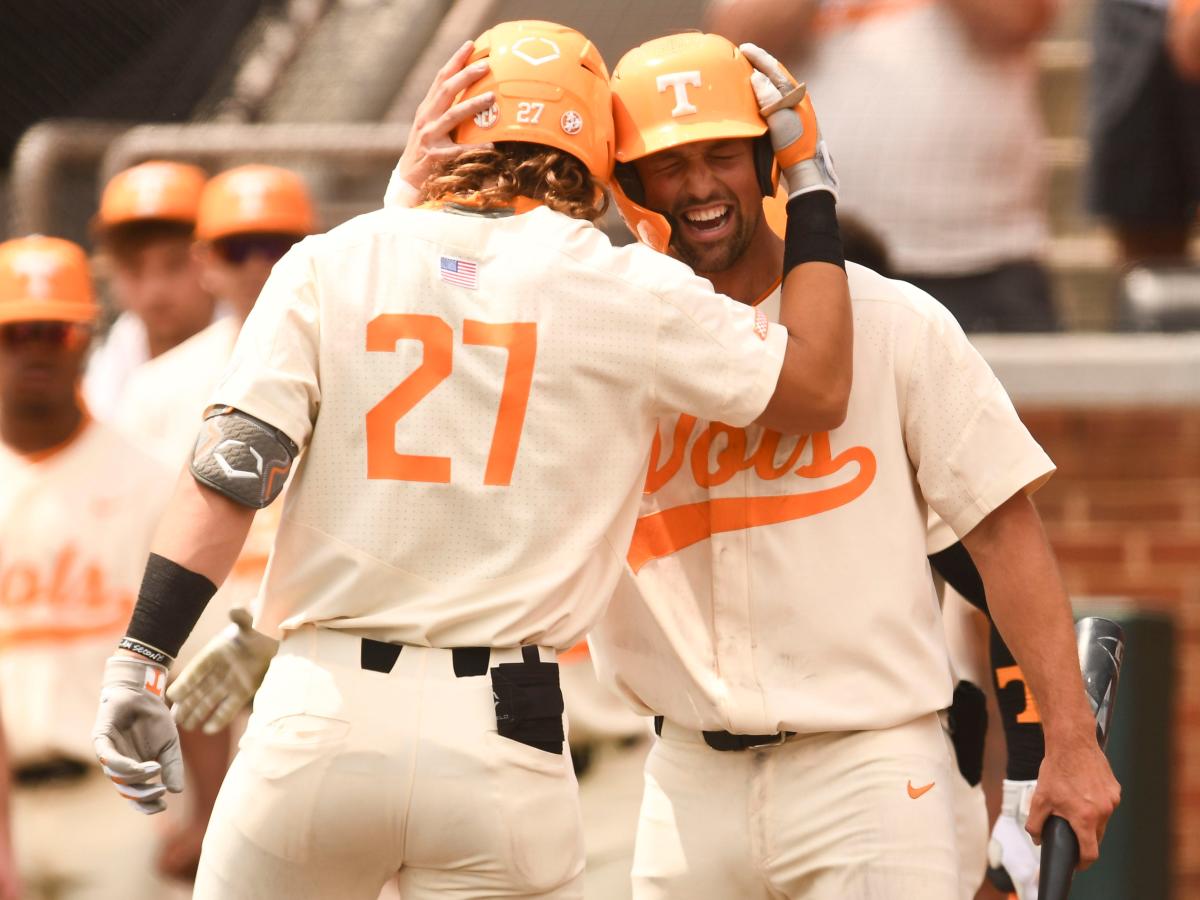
(45, 279)
(169, 191)
(255, 199)
(551, 88)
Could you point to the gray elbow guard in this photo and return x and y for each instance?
(242, 458)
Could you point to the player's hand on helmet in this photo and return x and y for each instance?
(219, 682)
(134, 736)
(1014, 863)
(792, 122)
(430, 141)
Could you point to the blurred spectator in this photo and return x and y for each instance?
(248, 218)
(78, 504)
(144, 234)
(932, 110)
(1184, 37)
(1144, 176)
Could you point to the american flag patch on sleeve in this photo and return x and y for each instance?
(761, 325)
(460, 272)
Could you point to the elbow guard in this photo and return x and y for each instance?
(242, 458)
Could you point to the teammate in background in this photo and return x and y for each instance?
(247, 218)
(473, 385)
(143, 233)
(813, 624)
(78, 503)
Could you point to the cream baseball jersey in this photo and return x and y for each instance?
(781, 584)
(475, 396)
(75, 529)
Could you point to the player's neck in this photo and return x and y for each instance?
(26, 430)
(755, 272)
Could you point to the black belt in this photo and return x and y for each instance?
(380, 656)
(726, 741)
(60, 769)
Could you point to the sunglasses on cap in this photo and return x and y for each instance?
(240, 247)
(60, 335)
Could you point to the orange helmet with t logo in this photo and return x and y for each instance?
(677, 90)
(45, 279)
(551, 88)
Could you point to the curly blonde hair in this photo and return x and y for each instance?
(496, 177)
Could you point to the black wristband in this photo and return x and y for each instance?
(169, 604)
(812, 231)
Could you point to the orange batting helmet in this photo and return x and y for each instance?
(255, 200)
(166, 191)
(551, 87)
(678, 90)
(45, 279)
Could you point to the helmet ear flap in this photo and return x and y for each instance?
(631, 183)
(764, 165)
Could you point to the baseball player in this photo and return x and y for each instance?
(777, 614)
(143, 233)
(78, 503)
(473, 385)
(246, 219)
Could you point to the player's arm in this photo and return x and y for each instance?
(814, 383)
(780, 28)
(1004, 27)
(1029, 605)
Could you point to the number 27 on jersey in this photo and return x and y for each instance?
(519, 339)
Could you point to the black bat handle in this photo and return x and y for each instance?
(1060, 856)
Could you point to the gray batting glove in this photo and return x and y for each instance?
(134, 736)
(219, 682)
(792, 122)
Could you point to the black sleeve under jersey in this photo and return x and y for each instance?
(956, 566)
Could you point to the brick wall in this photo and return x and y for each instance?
(1123, 513)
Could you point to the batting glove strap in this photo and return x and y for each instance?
(134, 737)
(1014, 863)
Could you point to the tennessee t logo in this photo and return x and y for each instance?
(679, 81)
(155, 681)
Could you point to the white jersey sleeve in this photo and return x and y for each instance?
(273, 374)
(970, 450)
(709, 352)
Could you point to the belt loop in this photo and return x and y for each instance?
(470, 661)
(379, 656)
(529, 654)
(658, 720)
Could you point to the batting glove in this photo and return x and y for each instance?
(1014, 863)
(134, 736)
(792, 123)
(223, 677)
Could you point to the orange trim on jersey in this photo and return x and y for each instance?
(577, 654)
(769, 291)
(833, 17)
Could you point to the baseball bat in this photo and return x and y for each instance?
(1101, 645)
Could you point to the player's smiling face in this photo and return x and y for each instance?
(709, 192)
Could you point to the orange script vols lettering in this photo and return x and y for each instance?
(719, 453)
(73, 599)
